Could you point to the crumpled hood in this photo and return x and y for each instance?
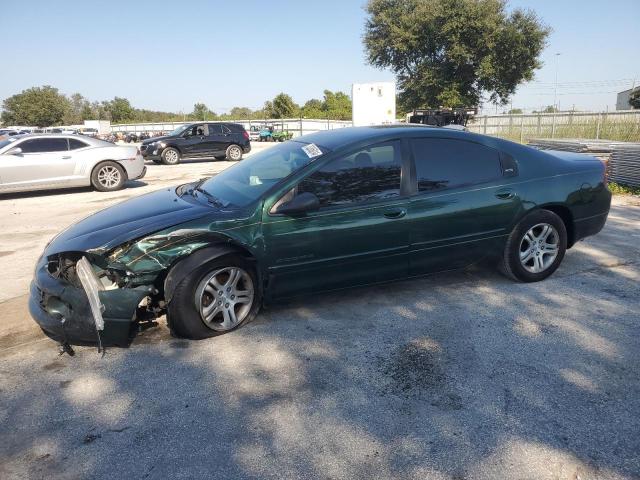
(129, 220)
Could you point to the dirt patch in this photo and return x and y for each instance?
(417, 371)
(4, 254)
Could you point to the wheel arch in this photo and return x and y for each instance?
(171, 145)
(100, 162)
(567, 218)
(185, 265)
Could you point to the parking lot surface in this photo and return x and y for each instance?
(462, 375)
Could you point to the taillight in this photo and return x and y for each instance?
(245, 134)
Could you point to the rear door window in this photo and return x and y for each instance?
(215, 129)
(42, 145)
(447, 163)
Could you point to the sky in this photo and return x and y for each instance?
(168, 55)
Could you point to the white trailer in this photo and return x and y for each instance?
(102, 126)
(373, 103)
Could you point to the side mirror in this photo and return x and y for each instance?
(305, 202)
(14, 151)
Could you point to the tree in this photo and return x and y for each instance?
(121, 110)
(283, 106)
(78, 106)
(237, 113)
(337, 105)
(37, 106)
(515, 111)
(547, 109)
(453, 52)
(202, 112)
(634, 98)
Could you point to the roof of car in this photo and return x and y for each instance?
(342, 136)
(90, 140)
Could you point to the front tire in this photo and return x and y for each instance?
(108, 176)
(535, 248)
(234, 153)
(170, 156)
(215, 299)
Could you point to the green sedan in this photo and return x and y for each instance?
(330, 210)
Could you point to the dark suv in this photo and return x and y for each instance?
(198, 140)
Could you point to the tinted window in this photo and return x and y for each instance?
(38, 145)
(444, 163)
(234, 127)
(196, 130)
(215, 129)
(76, 144)
(372, 173)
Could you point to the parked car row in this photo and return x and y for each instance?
(67, 159)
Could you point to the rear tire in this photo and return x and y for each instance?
(108, 176)
(170, 156)
(535, 248)
(196, 296)
(234, 153)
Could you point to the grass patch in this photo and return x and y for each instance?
(618, 189)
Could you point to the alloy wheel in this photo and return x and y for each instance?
(109, 176)
(171, 156)
(539, 247)
(235, 153)
(224, 298)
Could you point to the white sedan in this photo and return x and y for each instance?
(39, 162)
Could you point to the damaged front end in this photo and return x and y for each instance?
(77, 299)
(104, 297)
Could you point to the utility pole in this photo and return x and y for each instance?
(555, 90)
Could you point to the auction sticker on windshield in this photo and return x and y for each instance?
(312, 150)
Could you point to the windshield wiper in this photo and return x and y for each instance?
(210, 198)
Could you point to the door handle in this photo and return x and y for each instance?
(395, 213)
(505, 194)
(66, 157)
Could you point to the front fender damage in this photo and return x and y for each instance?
(132, 283)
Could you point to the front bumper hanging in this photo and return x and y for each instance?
(86, 315)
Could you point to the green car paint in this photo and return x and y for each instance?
(413, 233)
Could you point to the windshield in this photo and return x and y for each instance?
(7, 141)
(247, 180)
(178, 130)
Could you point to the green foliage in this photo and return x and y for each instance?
(202, 112)
(76, 106)
(452, 52)
(515, 111)
(39, 106)
(634, 98)
(335, 106)
(547, 109)
(44, 106)
(120, 109)
(283, 106)
(619, 189)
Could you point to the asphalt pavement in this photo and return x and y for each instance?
(463, 375)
